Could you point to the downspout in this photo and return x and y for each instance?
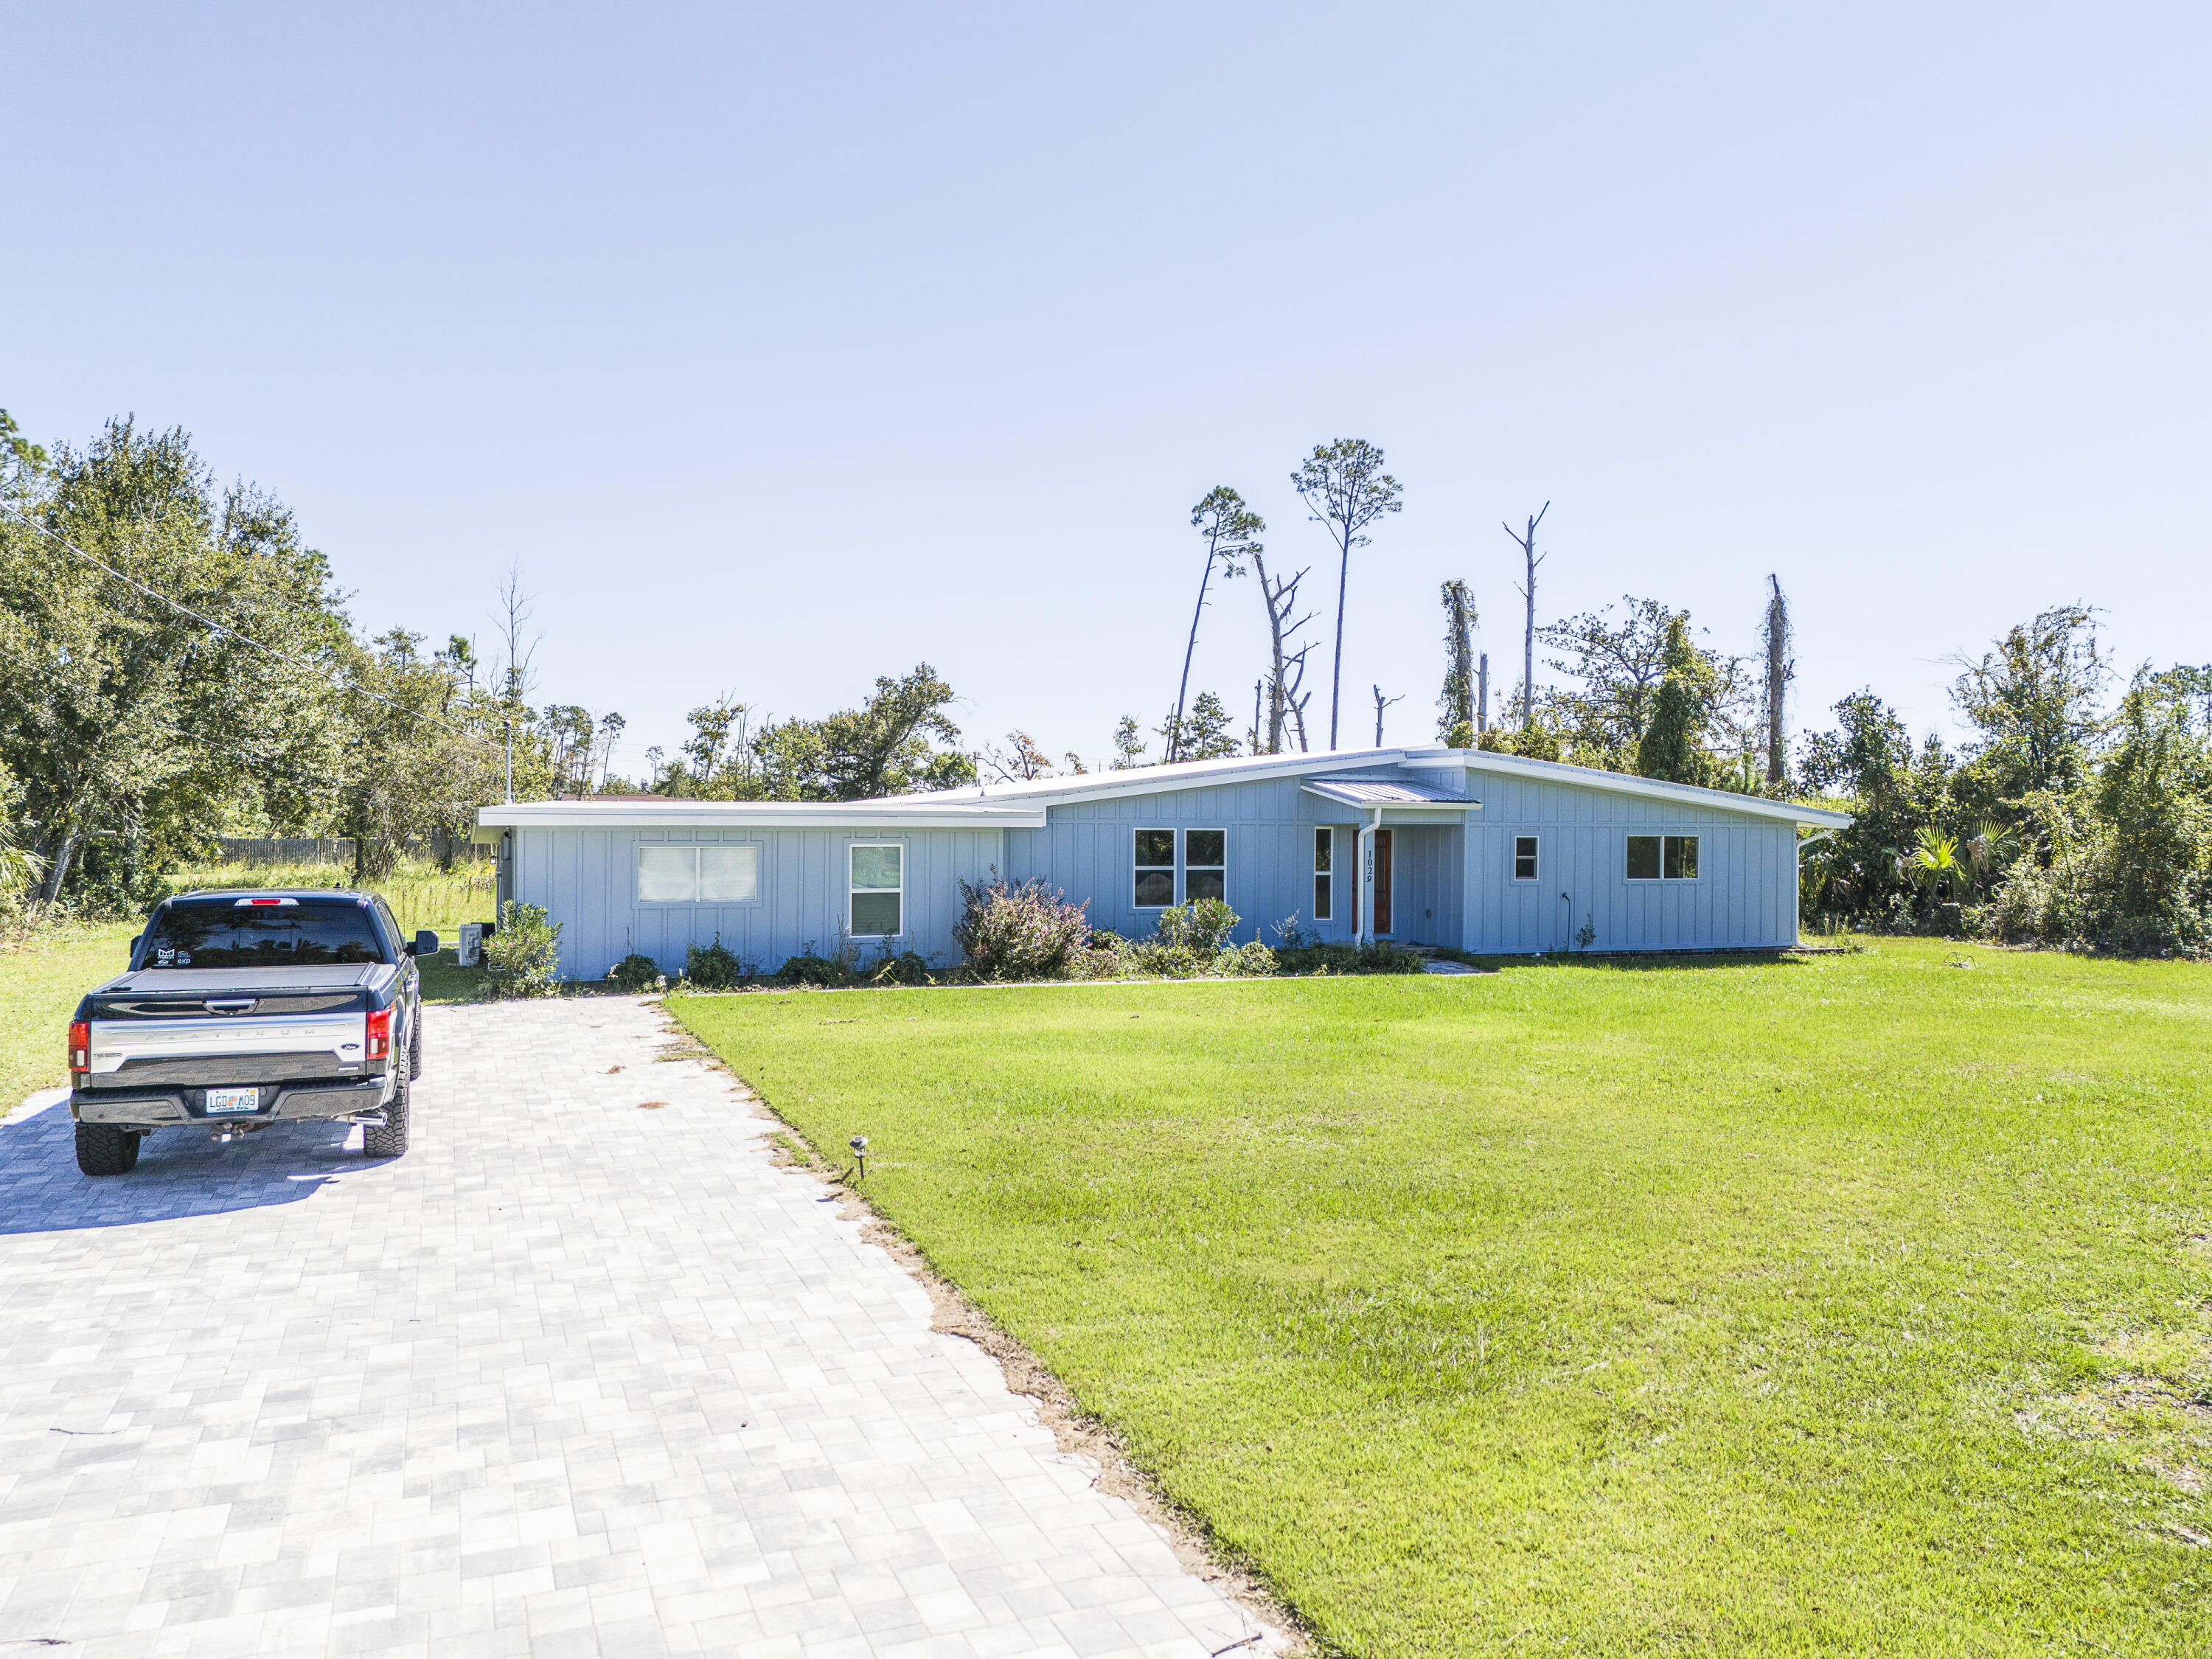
(1364, 931)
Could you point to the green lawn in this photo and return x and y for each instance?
(1848, 1305)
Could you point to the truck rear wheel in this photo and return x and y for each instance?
(389, 1138)
(103, 1149)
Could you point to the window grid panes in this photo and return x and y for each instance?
(1155, 878)
(878, 874)
(1662, 858)
(710, 874)
(1204, 865)
(1524, 858)
(1324, 872)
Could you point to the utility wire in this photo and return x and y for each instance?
(210, 622)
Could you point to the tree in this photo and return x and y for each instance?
(129, 722)
(1526, 541)
(1382, 703)
(1617, 667)
(1672, 744)
(884, 747)
(1128, 746)
(2034, 701)
(1344, 487)
(1207, 732)
(1456, 726)
(1286, 667)
(1020, 761)
(1232, 535)
(1781, 669)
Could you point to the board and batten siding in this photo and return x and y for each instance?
(1746, 893)
(587, 879)
(1087, 850)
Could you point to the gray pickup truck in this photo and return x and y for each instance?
(245, 1009)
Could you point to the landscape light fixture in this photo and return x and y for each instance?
(859, 1146)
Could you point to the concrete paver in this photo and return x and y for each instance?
(574, 1377)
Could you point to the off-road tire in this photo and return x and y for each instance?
(103, 1149)
(389, 1138)
(414, 1044)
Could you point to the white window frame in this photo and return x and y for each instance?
(852, 846)
(1537, 856)
(1222, 868)
(637, 872)
(1174, 846)
(1321, 875)
(1663, 839)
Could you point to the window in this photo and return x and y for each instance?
(1204, 865)
(1524, 858)
(1656, 858)
(1155, 869)
(243, 933)
(698, 875)
(729, 875)
(1324, 859)
(878, 886)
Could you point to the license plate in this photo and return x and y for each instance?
(234, 1100)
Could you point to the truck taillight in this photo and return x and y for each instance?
(379, 1034)
(80, 1045)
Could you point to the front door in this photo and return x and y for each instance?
(1382, 882)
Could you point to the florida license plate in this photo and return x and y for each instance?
(234, 1100)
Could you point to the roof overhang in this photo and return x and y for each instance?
(868, 815)
(1492, 761)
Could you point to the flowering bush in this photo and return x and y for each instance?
(1018, 931)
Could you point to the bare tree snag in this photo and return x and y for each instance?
(1527, 542)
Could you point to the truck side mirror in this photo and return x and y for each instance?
(425, 944)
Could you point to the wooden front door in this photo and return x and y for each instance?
(1382, 882)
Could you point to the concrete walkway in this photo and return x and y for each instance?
(572, 1377)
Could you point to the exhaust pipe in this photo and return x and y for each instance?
(228, 1131)
(375, 1119)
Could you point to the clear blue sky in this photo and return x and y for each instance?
(785, 347)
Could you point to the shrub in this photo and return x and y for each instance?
(1203, 926)
(1167, 961)
(906, 968)
(808, 968)
(713, 967)
(1377, 956)
(523, 958)
(636, 973)
(1018, 931)
(1253, 960)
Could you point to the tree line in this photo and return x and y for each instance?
(176, 660)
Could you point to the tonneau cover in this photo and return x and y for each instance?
(230, 981)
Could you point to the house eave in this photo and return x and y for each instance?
(1590, 777)
(865, 815)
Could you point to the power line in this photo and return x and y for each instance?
(223, 628)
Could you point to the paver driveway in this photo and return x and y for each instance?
(573, 1377)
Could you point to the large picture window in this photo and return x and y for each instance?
(1524, 858)
(878, 890)
(1662, 858)
(1155, 884)
(1204, 865)
(698, 875)
(1324, 872)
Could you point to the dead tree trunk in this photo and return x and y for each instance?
(1781, 669)
(1382, 703)
(1527, 542)
(1482, 697)
(1286, 667)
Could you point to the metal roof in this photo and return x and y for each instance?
(1377, 792)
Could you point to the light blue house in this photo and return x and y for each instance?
(1484, 852)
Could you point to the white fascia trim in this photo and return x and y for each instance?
(773, 815)
(1199, 775)
(1623, 783)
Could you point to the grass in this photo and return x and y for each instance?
(41, 979)
(1844, 1304)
